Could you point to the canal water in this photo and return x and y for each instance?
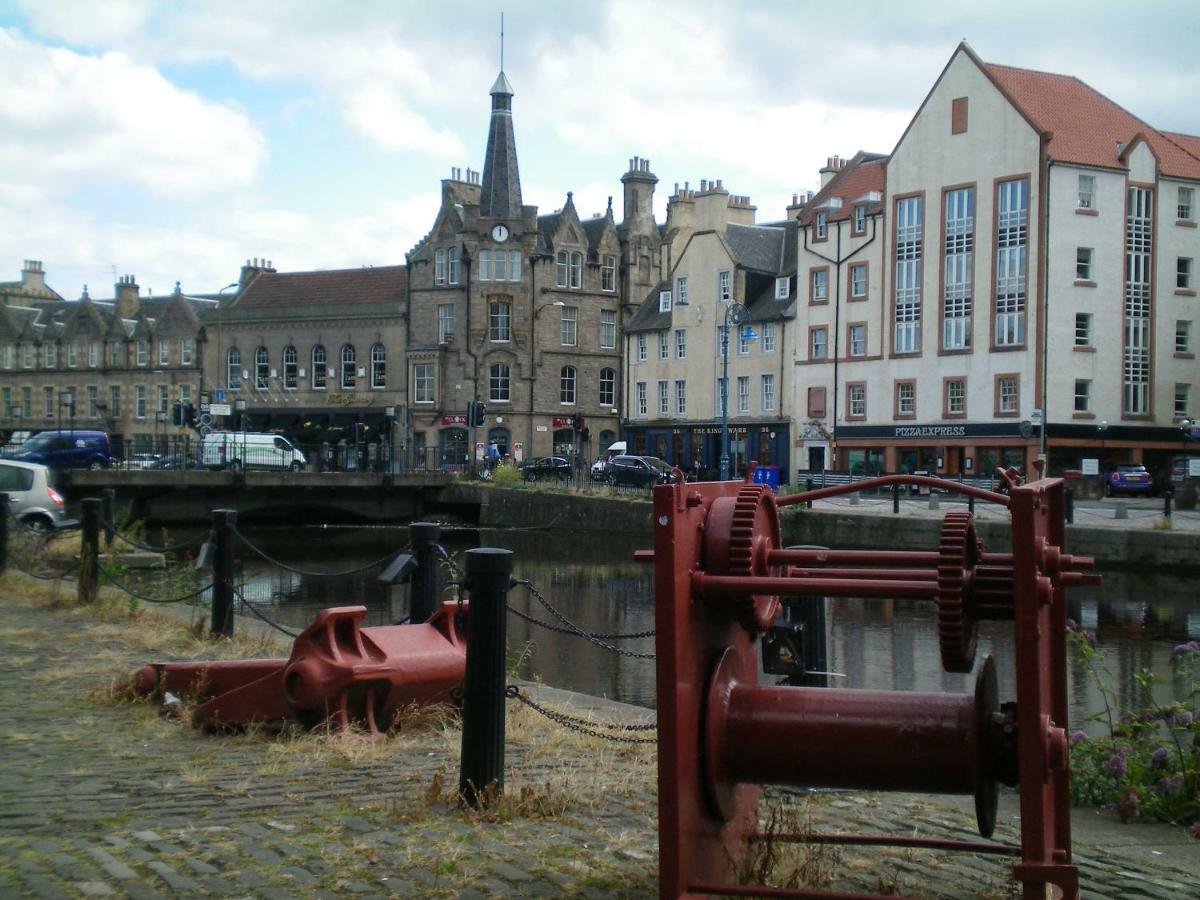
(1137, 618)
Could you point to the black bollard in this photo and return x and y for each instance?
(1168, 495)
(971, 504)
(4, 517)
(489, 574)
(88, 585)
(109, 523)
(223, 521)
(896, 497)
(423, 601)
(1069, 506)
(808, 486)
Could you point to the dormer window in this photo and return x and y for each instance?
(577, 269)
(664, 301)
(782, 288)
(452, 265)
(561, 264)
(439, 267)
(608, 274)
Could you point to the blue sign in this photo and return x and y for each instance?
(219, 395)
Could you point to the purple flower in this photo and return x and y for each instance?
(1077, 736)
(1174, 785)
(1158, 759)
(1183, 718)
(1072, 625)
(1116, 765)
(1191, 648)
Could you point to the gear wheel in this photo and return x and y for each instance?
(958, 557)
(738, 535)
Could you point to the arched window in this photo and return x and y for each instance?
(566, 384)
(608, 386)
(378, 366)
(319, 365)
(499, 320)
(560, 269)
(576, 269)
(498, 383)
(349, 366)
(261, 368)
(234, 378)
(290, 360)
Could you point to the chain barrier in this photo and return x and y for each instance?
(246, 604)
(262, 554)
(26, 535)
(165, 548)
(615, 636)
(147, 599)
(572, 628)
(583, 726)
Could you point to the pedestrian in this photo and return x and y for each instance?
(493, 454)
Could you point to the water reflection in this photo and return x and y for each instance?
(884, 645)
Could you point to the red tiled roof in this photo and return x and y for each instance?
(1086, 127)
(275, 290)
(861, 174)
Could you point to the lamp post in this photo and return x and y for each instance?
(735, 314)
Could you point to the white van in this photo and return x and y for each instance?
(600, 466)
(238, 450)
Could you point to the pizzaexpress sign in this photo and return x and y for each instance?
(931, 431)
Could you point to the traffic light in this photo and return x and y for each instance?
(189, 414)
(577, 422)
(177, 414)
(476, 411)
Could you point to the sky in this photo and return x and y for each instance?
(175, 140)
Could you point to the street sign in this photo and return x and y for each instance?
(220, 409)
(219, 395)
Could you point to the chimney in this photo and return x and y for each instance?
(32, 276)
(127, 297)
(251, 270)
(833, 165)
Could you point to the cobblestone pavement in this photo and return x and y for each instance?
(103, 798)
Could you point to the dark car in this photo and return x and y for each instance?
(641, 471)
(547, 467)
(1129, 479)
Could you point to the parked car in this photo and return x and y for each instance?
(238, 450)
(32, 499)
(600, 467)
(143, 461)
(545, 467)
(641, 471)
(64, 449)
(1129, 479)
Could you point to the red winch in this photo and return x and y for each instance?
(338, 673)
(719, 572)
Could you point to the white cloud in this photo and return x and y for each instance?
(69, 120)
(383, 115)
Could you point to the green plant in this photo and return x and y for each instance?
(1147, 765)
(506, 476)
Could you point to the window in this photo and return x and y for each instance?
(452, 265)
(51, 355)
(8, 404)
(1012, 236)
(1183, 209)
(1183, 336)
(439, 267)
(818, 286)
(640, 393)
(608, 328)
(73, 355)
(858, 281)
(498, 267)
(608, 387)
(349, 366)
(744, 340)
(164, 353)
(782, 288)
(767, 344)
(857, 339)
(514, 265)
(186, 347)
(566, 384)
(262, 368)
(958, 115)
(641, 348)
(94, 355)
(445, 324)
(498, 383)
(27, 356)
(608, 273)
(959, 269)
(233, 367)
(822, 225)
(907, 315)
(1083, 329)
(378, 366)
(499, 315)
(114, 400)
(818, 343)
(860, 220)
(664, 346)
(1183, 276)
(139, 401)
(485, 265)
(664, 399)
(185, 393)
(906, 399)
(561, 264)
(681, 343)
(142, 351)
(10, 356)
(724, 286)
(664, 301)
(576, 269)
(768, 392)
(955, 398)
(681, 398)
(27, 402)
(1087, 191)
(48, 401)
(743, 394)
(1181, 400)
(1008, 397)
(164, 398)
(1135, 360)
(1083, 395)
(423, 383)
(290, 368)
(816, 402)
(681, 290)
(115, 353)
(1083, 263)
(856, 401)
(722, 396)
(569, 326)
(319, 369)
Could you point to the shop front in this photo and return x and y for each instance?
(696, 447)
(969, 450)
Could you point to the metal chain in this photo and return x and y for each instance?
(165, 548)
(146, 599)
(310, 574)
(583, 726)
(573, 632)
(575, 629)
(247, 605)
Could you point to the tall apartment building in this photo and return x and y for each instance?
(1036, 261)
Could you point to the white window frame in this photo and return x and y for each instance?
(1083, 395)
(515, 265)
(1008, 392)
(139, 401)
(681, 290)
(452, 265)
(1182, 399)
(664, 398)
(445, 322)
(499, 383)
(576, 270)
(767, 385)
(233, 369)
(439, 266)
(1184, 206)
(568, 377)
(423, 383)
(1087, 192)
(680, 397)
(1183, 336)
(1183, 273)
(262, 368)
(291, 368)
(562, 262)
(499, 321)
(643, 348)
(857, 401)
(820, 285)
(640, 394)
(608, 329)
(664, 346)
(858, 347)
(783, 286)
(608, 387)
(569, 326)
(164, 352)
(378, 366)
(681, 343)
(743, 394)
(348, 373)
(724, 286)
(186, 349)
(319, 360)
(664, 301)
(73, 354)
(767, 344)
(1083, 329)
(814, 344)
(142, 353)
(608, 273)
(1084, 257)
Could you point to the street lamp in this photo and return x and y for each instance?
(735, 314)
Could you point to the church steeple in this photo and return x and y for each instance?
(500, 196)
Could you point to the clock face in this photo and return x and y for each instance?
(499, 234)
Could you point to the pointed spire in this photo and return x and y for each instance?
(500, 194)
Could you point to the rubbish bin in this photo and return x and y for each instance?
(768, 475)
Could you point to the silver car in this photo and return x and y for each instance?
(32, 499)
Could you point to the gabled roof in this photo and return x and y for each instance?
(381, 286)
(647, 317)
(863, 173)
